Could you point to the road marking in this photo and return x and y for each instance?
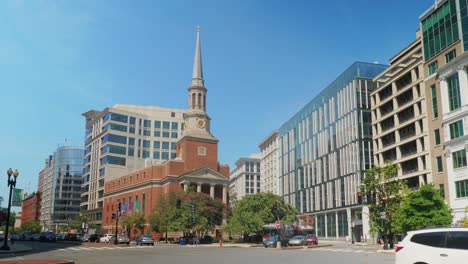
(86, 248)
(357, 251)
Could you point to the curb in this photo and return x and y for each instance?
(15, 251)
(40, 261)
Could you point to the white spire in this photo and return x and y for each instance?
(197, 76)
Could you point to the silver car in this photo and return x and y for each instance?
(296, 241)
(123, 239)
(145, 240)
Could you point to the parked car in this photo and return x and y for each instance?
(123, 239)
(47, 236)
(311, 239)
(272, 241)
(145, 240)
(94, 238)
(59, 236)
(107, 238)
(26, 235)
(14, 237)
(297, 241)
(85, 238)
(435, 246)
(36, 237)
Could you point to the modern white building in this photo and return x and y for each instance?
(121, 139)
(245, 179)
(454, 96)
(324, 150)
(269, 163)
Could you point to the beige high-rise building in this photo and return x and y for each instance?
(399, 117)
(269, 163)
(445, 43)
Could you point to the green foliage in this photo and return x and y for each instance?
(136, 220)
(422, 208)
(34, 227)
(208, 213)
(464, 220)
(254, 211)
(382, 182)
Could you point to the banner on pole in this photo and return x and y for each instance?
(17, 198)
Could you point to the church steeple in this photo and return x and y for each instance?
(197, 76)
(197, 90)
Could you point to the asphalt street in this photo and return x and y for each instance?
(203, 254)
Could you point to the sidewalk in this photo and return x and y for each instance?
(15, 248)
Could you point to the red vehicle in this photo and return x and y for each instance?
(311, 239)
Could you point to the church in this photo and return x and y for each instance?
(196, 164)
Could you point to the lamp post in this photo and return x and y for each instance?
(11, 184)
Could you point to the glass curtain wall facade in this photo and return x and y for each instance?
(325, 149)
(63, 188)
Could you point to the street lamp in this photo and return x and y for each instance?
(11, 184)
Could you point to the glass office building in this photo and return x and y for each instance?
(324, 151)
(61, 187)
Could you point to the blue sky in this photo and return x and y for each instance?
(262, 61)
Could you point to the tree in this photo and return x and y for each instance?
(34, 227)
(464, 220)
(254, 211)
(423, 208)
(205, 215)
(134, 222)
(383, 193)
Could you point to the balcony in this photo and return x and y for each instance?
(406, 115)
(407, 131)
(385, 93)
(405, 98)
(387, 124)
(404, 81)
(409, 166)
(408, 149)
(386, 108)
(389, 155)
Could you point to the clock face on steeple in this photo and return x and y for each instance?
(201, 122)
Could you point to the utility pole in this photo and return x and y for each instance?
(117, 215)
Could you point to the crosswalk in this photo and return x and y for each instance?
(344, 250)
(74, 249)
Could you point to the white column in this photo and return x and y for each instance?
(225, 194)
(185, 186)
(444, 96)
(212, 191)
(199, 185)
(463, 79)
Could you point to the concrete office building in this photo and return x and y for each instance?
(445, 43)
(245, 179)
(269, 163)
(399, 117)
(121, 139)
(324, 151)
(60, 185)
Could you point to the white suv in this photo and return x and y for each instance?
(107, 238)
(434, 246)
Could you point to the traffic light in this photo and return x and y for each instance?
(384, 201)
(359, 197)
(178, 203)
(119, 207)
(113, 216)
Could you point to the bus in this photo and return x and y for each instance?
(285, 231)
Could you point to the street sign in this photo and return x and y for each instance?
(278, 224)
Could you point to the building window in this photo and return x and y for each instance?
(201, 151)
(435, 109)
(437, 136)
(454, 92)
(165, 145)
(173, 145)
(156, 155)
(442, 190)
(157, 133)
(450, 55)
(147, 123)
(157, 124)
(439, 164)
(165, 155)
(157, 144)
(456, 129)
(146, 133)
(172, 114)
(174, 134)
(166, 125)
(146, 144)
(165, 134)
(132, 120)
(459, 159)
(175, 125)
(461, 188)
(132, 130)
(432, 68)
(131, 141)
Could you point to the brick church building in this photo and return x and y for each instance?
(196, 164)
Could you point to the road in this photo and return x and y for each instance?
(203, 254)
